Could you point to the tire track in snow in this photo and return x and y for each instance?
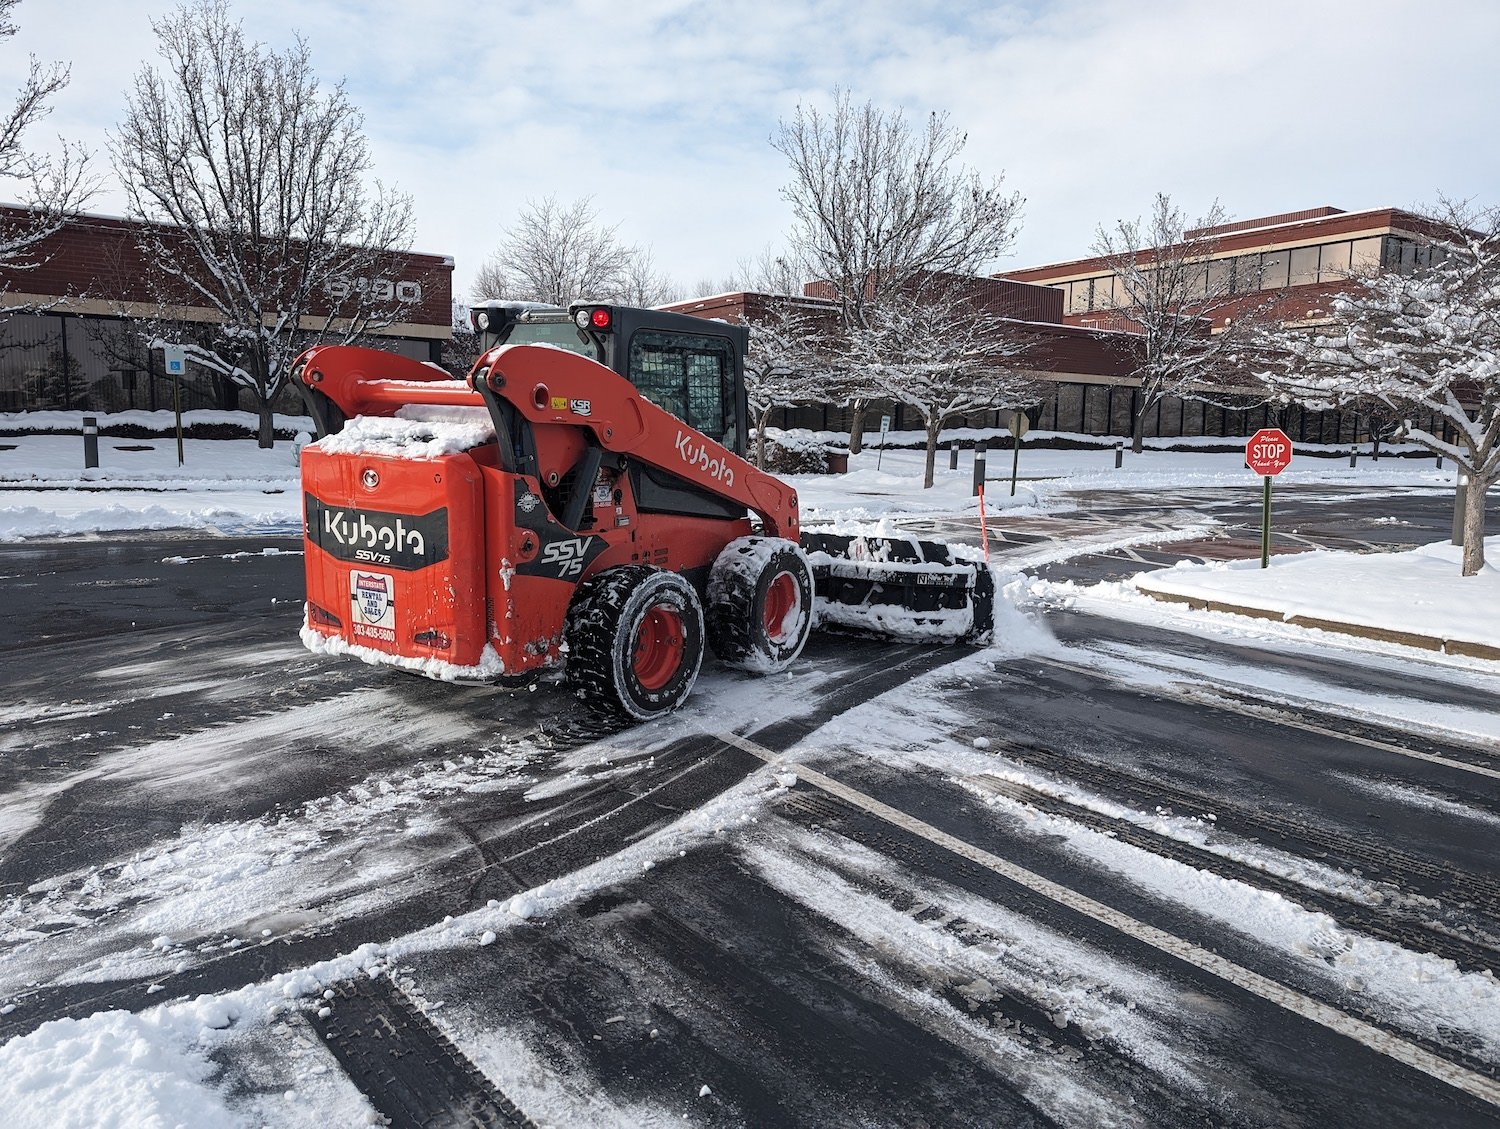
(1486, 1089)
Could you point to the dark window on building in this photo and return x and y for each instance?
(1333, 265)
(1400, 255)
(1220, 277)
(1365, 254)
(1304, 266)
(1273, 269)
(1247, 274)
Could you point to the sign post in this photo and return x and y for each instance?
(885, 427)
(1019, 425)
(1268, 453)
(176, 356)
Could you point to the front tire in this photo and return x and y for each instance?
(760, 604)
(635, 641)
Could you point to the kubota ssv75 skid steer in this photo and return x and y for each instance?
(581, 500)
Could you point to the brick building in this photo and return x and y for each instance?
(1292, 265)
(1070, 357)
(91, 279)
(1083, 343)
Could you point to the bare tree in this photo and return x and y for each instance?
(51, 188)
(942, 354)
(644, 285)
(772, 270)
(880, 206)
(1427, 339)
(251, 179)
(561, 254)
(786, 364)
(1169, 287)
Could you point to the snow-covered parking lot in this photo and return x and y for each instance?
(1136, 864)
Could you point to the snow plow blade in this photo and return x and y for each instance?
(900, 588)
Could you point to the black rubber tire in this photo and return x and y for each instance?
(604, 629)
(749, 574)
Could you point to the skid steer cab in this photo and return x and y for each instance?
(579, 501)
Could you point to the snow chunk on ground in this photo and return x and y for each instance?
(113, 1068)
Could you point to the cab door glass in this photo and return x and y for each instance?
(689, 375)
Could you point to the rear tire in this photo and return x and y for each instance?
(635, 641)
(760, 604)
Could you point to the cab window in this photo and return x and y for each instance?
(564, 334)
(689, 375)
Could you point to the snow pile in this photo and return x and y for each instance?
(489, 667)
(161, 422)
(74, 515)
(115, 1068)
(416, 431)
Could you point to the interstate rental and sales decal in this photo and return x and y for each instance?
(373, 596)
(370, 537)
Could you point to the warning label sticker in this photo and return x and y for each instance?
(373, 595)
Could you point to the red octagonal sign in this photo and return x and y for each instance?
(1269, 451)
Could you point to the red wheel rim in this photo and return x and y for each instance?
(658, 647)
(781, 601)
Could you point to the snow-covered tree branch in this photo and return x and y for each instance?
(1169, 288)
(252, 180)
(559, 254)
(786, 364)
(942, 354)
(50, 187)
(1424, 340)
(881, 207)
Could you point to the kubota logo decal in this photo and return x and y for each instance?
(696, 453)
(404, 541)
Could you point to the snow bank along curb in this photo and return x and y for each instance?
(1465, 647)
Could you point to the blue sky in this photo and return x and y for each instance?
(662, 110)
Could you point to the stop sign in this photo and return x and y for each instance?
(1269, 451)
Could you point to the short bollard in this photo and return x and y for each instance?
(1440, 462)
(1354, 456)
(1119, 455)
(952, 456)
(978, 469)
(1460, 504)
(90, 441)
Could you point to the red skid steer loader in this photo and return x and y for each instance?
(581, 500)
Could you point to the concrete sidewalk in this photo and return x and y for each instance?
(1417, 597)
(1426, 642)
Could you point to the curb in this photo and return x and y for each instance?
(1463, 647)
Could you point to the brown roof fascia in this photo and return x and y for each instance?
(98, 257)
(1251, 239)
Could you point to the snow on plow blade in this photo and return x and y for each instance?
(900, 588)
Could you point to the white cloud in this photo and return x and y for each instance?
(662, 110)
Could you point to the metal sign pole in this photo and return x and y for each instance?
(176, 358)
(1265, 524)
(1019, 425)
